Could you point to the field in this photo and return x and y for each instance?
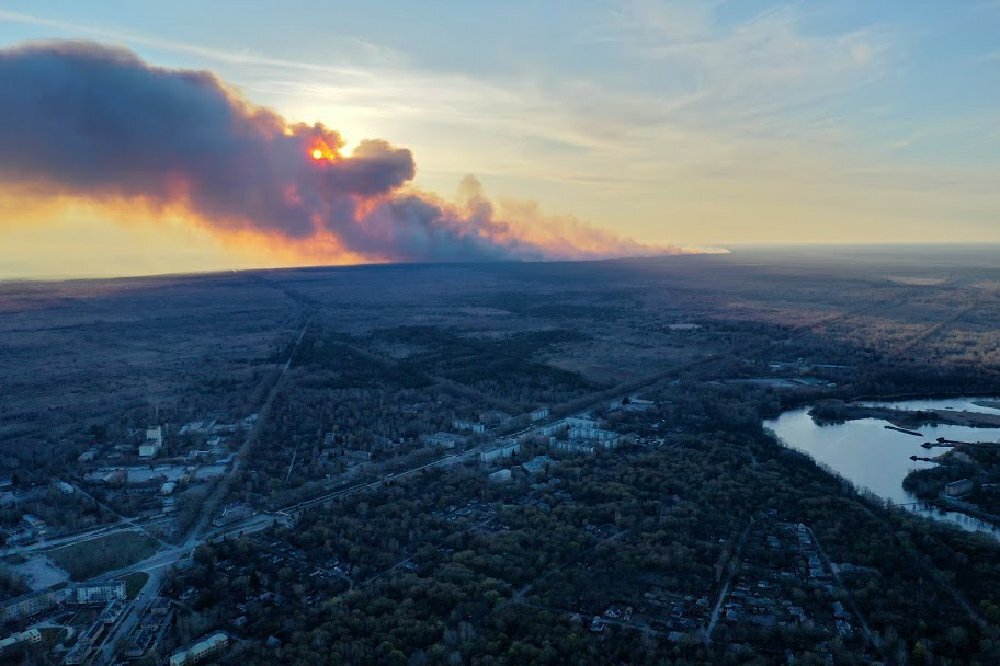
(97, 556)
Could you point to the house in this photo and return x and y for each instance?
(87, 456)
(200, 650)
(65, 488)
(540, 413)
(472, 426)
(150, 448)
(958, 488)
(86, 594)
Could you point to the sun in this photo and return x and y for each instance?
(317, 154)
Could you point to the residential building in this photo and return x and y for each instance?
(446, 440)
(554, 428)
(572, 446)
(537, 465)
(494, 417)
(505, 451)
(540, 413)
(472, 426)
(86, 594)
(200, 650)
(27, 605)
(35, 524)
(500, 476)
(12, 641)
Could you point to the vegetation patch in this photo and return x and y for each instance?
(134, 582)
(91, 558)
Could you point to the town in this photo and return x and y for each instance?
(513, 477)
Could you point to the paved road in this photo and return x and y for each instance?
(724, 591)
(157, 565)
(870, 636)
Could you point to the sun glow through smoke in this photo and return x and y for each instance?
(235, 169)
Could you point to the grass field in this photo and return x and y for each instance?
(134, 583)
(90, 558)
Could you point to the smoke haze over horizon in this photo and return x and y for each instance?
(86, 122)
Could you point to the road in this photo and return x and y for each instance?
(724, 590)
(870, 637)
(213, 502)
(158, 565)
(323, 499)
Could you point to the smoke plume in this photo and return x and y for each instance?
(83, 120)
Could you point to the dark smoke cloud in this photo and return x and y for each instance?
(95, 121)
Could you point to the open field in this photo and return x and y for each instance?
(92, 558)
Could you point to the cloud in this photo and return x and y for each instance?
(83, 120)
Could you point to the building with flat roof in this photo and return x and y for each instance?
(471, 426)
(446, 440)
(537, 465)
(150, 448)
(200, 650)
(27, 605)
(500, 476)
(494, 417)
(14, 640)
(505, 451)
(95, 594)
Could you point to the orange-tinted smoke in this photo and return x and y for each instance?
(85, 121)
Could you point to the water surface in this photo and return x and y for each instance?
(875, 458)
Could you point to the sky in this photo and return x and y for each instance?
(657, 124)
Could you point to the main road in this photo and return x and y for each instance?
(157, 565)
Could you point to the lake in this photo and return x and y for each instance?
(872, 457)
